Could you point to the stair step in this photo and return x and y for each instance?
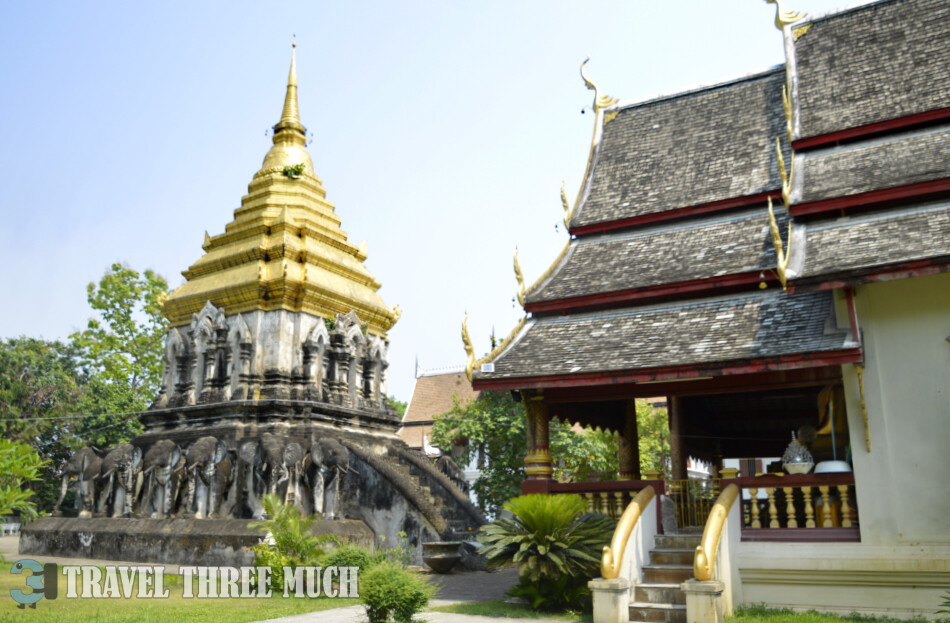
(660, 593)
(658, 613)
(664, 574)
(677, 541)
(664, 556)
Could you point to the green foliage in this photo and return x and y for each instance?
(294, 171)
(493, 426)
(759, 613)
(399, 555)
(549, 536)
(329, 323)
(124, 346)
(550, 594)
(654, 431)
(945, 604)
(349, 556)
(392, 593)
(290, 543)
(399, 406)
(19, 465)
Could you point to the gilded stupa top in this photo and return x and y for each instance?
(285, 248)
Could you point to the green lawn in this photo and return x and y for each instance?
(760, 614)
(133, 610)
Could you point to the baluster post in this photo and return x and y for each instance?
(754, 498)
(773, 512)
(790, 507)
(845, 507)
(825, 508)
(809, 509)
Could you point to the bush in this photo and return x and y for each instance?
(349, 556)
(393, 593)
(555, 545)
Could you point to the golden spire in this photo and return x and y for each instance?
(290, 136)
(290, 117)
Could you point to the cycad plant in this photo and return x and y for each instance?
(289, 541)
(553, 542)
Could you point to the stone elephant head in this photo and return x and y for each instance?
(83, 467)
(329, 461)
(209, 472)
(118, 476)
(160, 461)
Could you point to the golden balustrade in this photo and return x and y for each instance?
(609, 498)
(704, 561)
(694, 498)
(807, 507)
(613, 554)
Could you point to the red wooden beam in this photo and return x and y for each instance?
(802, 535)
(721, 285)
(781, 362)
(676, 213)
(874, 198)
(865, 131)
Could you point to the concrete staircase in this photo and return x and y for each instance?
(659, 598)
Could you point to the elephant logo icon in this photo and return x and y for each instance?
(43, 581)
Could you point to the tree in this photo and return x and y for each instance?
(399, 406)
(491, 429)
(123, 347)
(19, 465)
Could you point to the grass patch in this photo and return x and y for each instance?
(761, 614)
(498, 608)
(134, 610)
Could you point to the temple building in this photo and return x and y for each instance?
(274, 382)
(772, 253)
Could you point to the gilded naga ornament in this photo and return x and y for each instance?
(520, 278)
(567, 208)
(600, 101)
(783, 18)
(469, 350)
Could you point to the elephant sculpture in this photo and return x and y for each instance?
(329, 462)
(160, 461)
(209, 473)
(249, 473)
(118, 476)
(83, 466)
(281, 468)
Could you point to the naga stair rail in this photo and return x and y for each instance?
(613, 554)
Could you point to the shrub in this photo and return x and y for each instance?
(349, 556)
(555, 545)
(290, 542)
(393, 593)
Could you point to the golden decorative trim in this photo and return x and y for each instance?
(538, 456)
(612, 556)
(397, 313)
(864, 407)
(567, 210)
(783, 18)
(610, 116)
(600, 101)
(799, 32)
(520, 278)
(787, 107)
(704, 561)
(782, 256)
(469, 350)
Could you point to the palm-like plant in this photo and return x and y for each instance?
(550, 536)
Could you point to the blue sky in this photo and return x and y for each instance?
(442, 133)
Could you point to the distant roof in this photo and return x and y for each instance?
(668, 253)
(870, 64)
(433, 394)
(708, 333)
(705, 146)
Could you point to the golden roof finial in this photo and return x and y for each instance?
(290, 117)
(783, 18)
(600, 101)
(520, 278)
(567, 209)
(469, 350)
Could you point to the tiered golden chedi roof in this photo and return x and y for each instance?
(284, 249)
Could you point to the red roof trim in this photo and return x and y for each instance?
(873, 128)
(890, 272)
(676, 213)
(873, 198)
(750, 366)
(666, 291)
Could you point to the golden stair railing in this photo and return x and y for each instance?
(704, 562)
(613, 555)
